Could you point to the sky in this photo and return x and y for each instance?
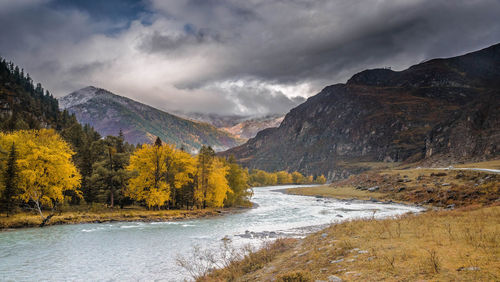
(245, 57)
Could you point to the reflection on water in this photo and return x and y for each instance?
(147, 251)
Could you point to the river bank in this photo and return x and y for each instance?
(25, 220)
(456, 239)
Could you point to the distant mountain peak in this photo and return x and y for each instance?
(108, 113)
(78, 97)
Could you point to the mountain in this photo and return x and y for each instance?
(249, 128)
(243, 127)
(217, 120)
(108, 113)
(442, 110)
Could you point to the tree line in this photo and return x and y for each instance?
(40, 170)
(263, 178)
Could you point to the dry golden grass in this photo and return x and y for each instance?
(370, 165)
(103, 215)
(458, 245)
(424, 186)
(495, 164)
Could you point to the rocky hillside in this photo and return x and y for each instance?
(108, 113)
(443, 110)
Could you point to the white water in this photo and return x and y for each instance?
(137, 251)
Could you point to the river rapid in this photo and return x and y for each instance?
(142, 251)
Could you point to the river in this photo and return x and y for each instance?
(138, 251)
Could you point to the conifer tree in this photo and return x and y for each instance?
(10, 177)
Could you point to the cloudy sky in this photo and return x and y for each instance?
(232, 56)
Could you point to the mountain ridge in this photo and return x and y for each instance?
(108, 113)
(382, 115)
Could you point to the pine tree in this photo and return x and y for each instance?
(10, 190)
(158, 142)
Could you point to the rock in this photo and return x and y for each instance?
(445, 184)
(400, 189)
(324, 235)
(450, 207)
(339, 215)
(362, 252)
(333, 278)
(337, 261)
(470, 268)
(374, 188)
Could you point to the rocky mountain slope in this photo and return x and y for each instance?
(442, 110)
(244, 127)
(108, 113)
(249, 128)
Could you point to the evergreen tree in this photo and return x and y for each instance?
(158, 142)
(109, 174)
(10, 191)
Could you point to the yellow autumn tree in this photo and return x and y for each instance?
(298, 178)
(46, 170)
(211, 184)
(218, 187)
(284, 177)
(149, 184)
(321, 179)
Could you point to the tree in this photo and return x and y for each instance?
(205, 160)
(109, 174)
(284, 177)
(46, 170)
(181, 169)
(298, 178)
(149, 184)
(320, 179)
(10, 181)
(218, 187)
(237, 179)
(262, 178)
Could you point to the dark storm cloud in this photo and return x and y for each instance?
(165, 43)
(249, 57)
(329, 42)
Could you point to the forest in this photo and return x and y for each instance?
(49, 160)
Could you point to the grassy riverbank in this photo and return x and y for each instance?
(102, 214)
(458, 239)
